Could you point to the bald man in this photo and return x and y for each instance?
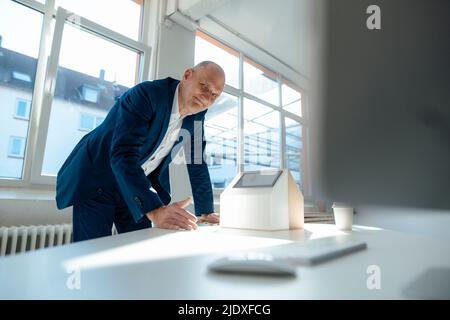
(119, 172)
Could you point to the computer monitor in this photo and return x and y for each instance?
(382, 126)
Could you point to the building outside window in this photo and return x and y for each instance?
(19, 49)
(84, 88)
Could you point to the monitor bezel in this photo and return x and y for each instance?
(277, 176)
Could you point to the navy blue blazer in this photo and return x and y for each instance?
(112, 154)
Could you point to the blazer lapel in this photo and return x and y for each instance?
(167, 112)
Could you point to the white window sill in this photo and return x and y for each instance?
(8, 193)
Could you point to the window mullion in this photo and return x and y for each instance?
(49, 88)
(306, 155)
(282, 131)
(241, 115)
(36, 123)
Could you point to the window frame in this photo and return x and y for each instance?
(45, 80)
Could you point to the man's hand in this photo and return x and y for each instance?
(212, 218)
(174, 216)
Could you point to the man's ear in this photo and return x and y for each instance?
(188, 73)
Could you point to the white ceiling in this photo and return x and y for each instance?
(287, 29)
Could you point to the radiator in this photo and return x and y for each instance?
(15, 240)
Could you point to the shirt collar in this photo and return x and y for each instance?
(176, 107)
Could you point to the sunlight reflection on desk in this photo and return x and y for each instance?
(205, 240)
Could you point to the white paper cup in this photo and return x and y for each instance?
(343, 216)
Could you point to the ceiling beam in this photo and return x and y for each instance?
(197, 9)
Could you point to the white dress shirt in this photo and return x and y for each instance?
(175, 122)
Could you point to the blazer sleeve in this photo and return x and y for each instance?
(198, 169)
(131, 129)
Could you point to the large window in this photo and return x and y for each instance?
(19, 48)
(292, 98)
(221, 135)
(261, 131)
(91, 75)
(207, 48)
(122, 16)
(63, 64)
(294, 148)
(272, 131)
(260, 82)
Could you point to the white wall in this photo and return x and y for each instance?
(17, 212)
(425, 222)
(20, 206)
(175, 50)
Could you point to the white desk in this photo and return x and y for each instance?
(162, 264)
